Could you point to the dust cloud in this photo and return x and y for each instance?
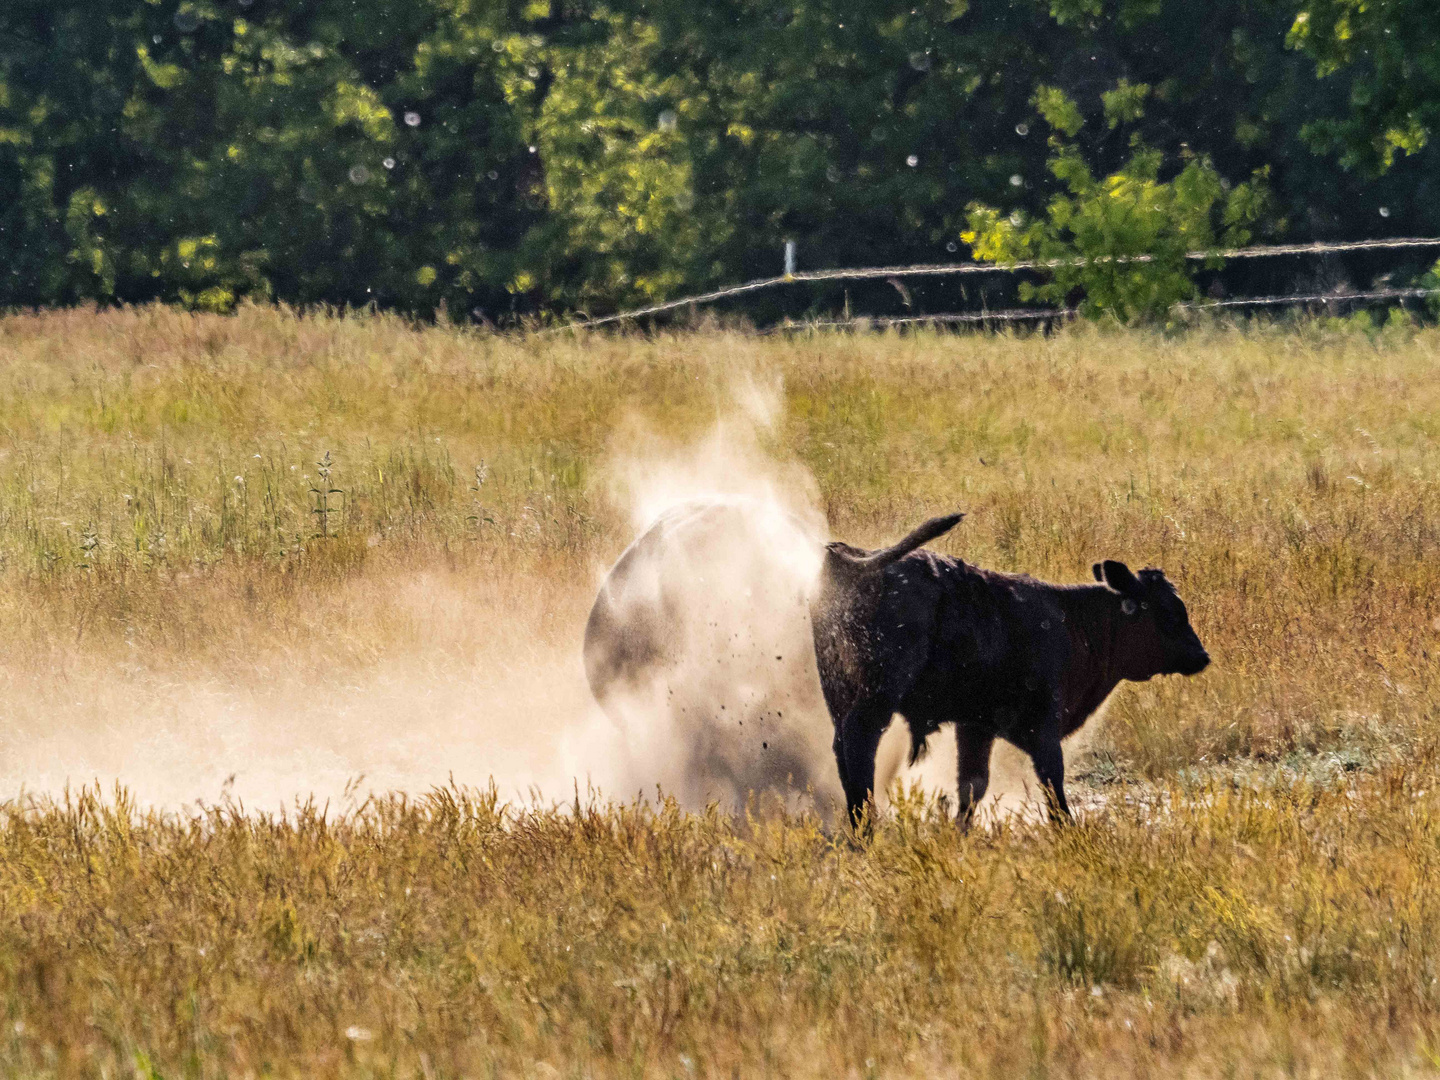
(489, 684)
(726, 701)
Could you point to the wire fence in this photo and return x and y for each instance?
(1257, 251)
(1058, 314)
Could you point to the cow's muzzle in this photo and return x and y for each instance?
(1195, 663)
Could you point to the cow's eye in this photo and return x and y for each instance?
(1127, 606)
(1145, 604)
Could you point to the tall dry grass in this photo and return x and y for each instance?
(1254, 893)
(156, 504)
(1287, 930)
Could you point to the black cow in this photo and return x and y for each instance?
(704, 572)
(997, 655)
(698, 650)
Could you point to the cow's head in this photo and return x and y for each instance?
(1155, 636)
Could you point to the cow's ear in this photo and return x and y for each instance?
(1098, 572)
(1118, 576)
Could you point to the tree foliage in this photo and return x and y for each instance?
(317, 152)
(1120, 243)
(1390, 53)
(517, 156)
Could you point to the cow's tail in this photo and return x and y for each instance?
(875, 561)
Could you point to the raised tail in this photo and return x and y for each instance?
(875, 561)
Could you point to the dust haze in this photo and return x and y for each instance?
(489, 686)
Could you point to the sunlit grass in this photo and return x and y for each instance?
(1282, 929)
(1254, 891)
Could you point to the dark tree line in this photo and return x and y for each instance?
(550, 155)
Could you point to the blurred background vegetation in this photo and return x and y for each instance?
(499, 159)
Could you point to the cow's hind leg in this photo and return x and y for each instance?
(838, 746)
(973, 745)
(858, 740)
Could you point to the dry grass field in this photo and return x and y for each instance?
(200, 604)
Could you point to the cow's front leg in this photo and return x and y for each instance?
(1049, 761)
(857, 740)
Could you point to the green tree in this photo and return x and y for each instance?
(685, 143)
(201, 152)
(513, 156)
(1390, 53)
(1119, 242)
(619, 172)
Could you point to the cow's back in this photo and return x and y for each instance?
(999, 644)
(634, 625)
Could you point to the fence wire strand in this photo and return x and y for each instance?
(1258, 251)
(1021, 314)
(1260, 301)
